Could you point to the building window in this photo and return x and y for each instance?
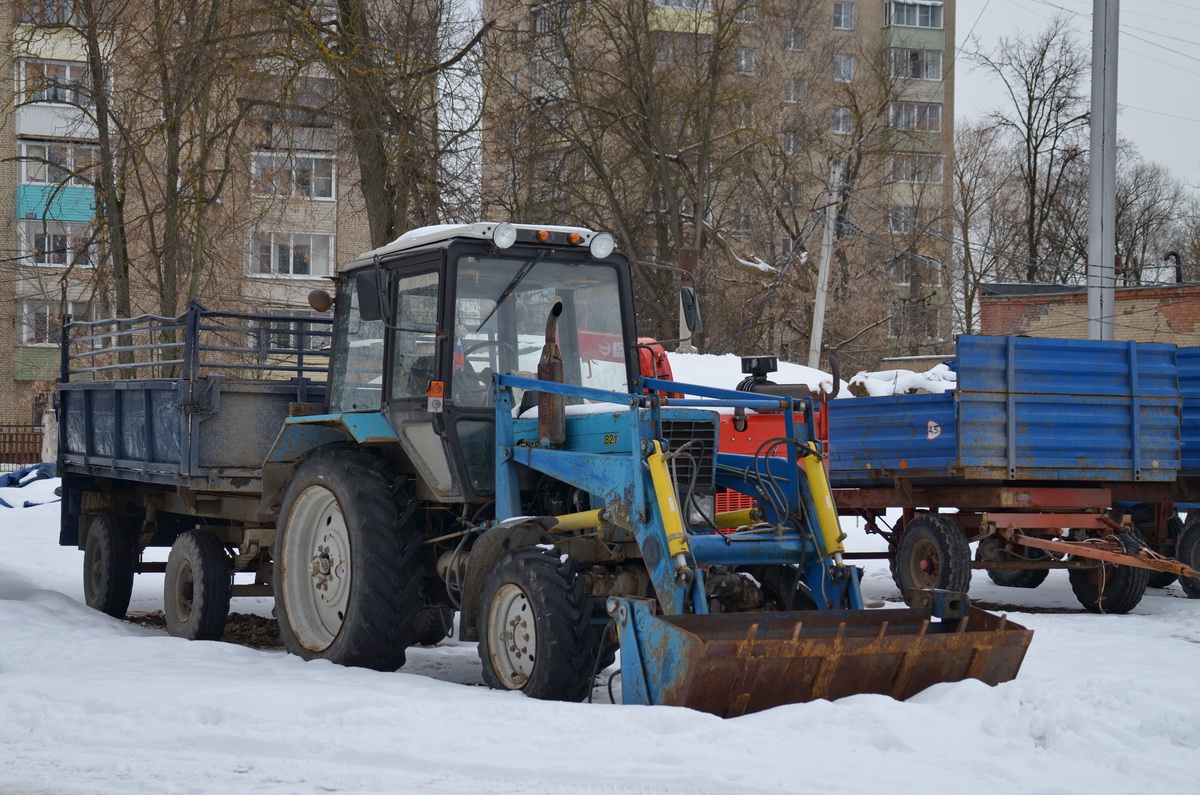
(41, 323)
(65, 82)
(550, 18)
(902, 218)
(55, 243)
(917, 116)
(743, 221)
(793, 194)
(917, 64)
(793, 90)
(291, 175)
(47, 12)
(914, 15)
(745, 14)
(793, 39)
(843, 121)
(53, 163)
(793, 143)
(843, 16)
(843, 68)
(913, 167)
(690, 5)
(290, 253)
(743, 60)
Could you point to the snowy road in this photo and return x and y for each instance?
(89, 704)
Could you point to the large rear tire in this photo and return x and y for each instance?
(108, 558)
(933, 553)
(347, 574)
(1187, 551)
(536, 631)
(197, 587)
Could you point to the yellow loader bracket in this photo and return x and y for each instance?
(734, 664)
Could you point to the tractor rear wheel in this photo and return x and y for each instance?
(933, 553)
(536, 632)
(1187, 551)
(347, 574)
(108, 558)
(1109, 588)
(197, 587)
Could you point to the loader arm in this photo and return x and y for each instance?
(621, 449)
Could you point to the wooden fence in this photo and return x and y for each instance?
(20, 444)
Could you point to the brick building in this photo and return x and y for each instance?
(1161, 313)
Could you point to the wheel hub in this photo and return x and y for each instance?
(515, 637)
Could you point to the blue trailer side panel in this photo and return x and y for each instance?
(1189, 424)
(1025, 409)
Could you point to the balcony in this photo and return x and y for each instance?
(52, 120)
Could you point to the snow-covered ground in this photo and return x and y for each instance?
(89, 704)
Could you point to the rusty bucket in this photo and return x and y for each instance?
(735, 663)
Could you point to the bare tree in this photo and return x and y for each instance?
(385, 61)
(986, 193)
(1047, 116)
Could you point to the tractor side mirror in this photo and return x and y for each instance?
(370, 286)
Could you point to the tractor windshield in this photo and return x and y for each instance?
(501, 307)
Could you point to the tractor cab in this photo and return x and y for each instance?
(424, 322)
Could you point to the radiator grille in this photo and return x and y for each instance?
(700, 457)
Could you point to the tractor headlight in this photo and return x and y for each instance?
(504, 235)
(602, 245)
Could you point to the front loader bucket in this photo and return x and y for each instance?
(734, 663)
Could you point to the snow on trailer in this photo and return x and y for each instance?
(1038, 455)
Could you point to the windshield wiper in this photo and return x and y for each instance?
(504, 294)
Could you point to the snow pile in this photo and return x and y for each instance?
(904, 382)
(94, 705)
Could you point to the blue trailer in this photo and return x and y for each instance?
(1039, 452)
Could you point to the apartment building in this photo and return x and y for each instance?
(602, 116)
(258, 208)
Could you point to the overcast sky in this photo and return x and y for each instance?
(1158, 67)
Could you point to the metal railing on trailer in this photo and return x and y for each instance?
(182, 401)
(198, 342)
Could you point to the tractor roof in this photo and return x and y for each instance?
(428, 235)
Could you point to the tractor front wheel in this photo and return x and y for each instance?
(536, 634)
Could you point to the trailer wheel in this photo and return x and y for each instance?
(933, 553)
(536, 634)
(1187, 551)
(197, 587)
(1109, 588)
(433, 625)
(1161, 579)
(347, 574)
(108, 557)
(991, 549)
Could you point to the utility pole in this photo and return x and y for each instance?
(1102, 172)
(818, 320)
